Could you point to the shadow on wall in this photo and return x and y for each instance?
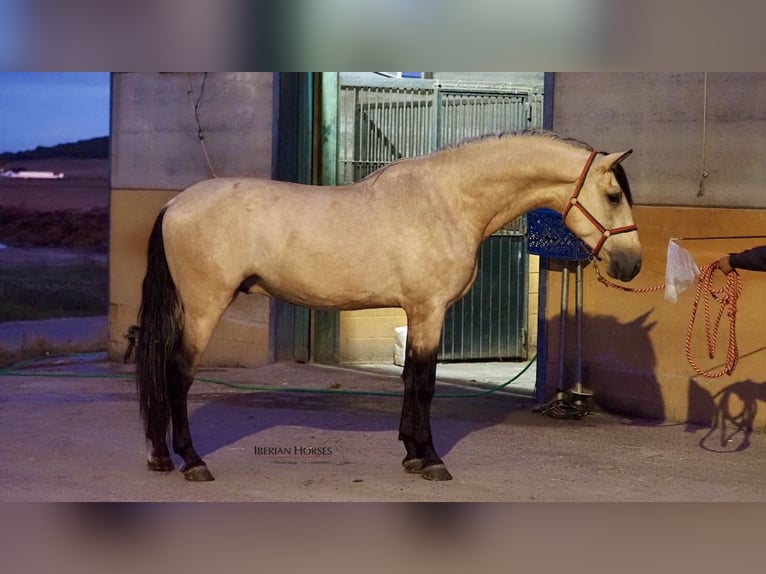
(727, 416)
(618, 366)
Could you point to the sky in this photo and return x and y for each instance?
(49, 108)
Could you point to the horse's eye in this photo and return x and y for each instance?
(614, 198)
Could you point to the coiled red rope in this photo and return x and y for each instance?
(727, 298)
(705, 292)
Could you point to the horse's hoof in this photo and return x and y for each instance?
(436, 472)
(413, 465)
(160, 464)
(198, 474)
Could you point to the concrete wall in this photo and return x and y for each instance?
(155, 154)
(634, 354)
(678, 125)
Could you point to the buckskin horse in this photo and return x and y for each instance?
(406, 236)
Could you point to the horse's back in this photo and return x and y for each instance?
(239, 193)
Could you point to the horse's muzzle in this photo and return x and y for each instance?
(624, 269)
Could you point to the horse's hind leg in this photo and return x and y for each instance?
(419, 376)
(181, 379)
(158, 458)
(197, 334)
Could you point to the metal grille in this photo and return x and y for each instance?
(469, 115)
(380, 124)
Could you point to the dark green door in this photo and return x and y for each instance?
(490, 321)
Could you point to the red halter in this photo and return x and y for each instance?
(575, 202)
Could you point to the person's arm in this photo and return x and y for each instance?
(751, 259)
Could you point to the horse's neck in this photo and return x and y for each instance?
(508, 177)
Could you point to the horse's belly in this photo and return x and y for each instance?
(340, 299)
(321, 291)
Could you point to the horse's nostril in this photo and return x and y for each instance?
(636, 269)
(623, 271)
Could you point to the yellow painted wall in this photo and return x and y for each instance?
(368, 336)
(634, 359)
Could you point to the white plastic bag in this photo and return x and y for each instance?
(680, 271)
(400, 344)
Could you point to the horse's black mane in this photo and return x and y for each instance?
(619, 171)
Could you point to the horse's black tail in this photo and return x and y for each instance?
(160, 322)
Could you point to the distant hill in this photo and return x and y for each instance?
(94, 148)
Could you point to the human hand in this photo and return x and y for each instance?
(724, 264)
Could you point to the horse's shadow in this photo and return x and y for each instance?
(618, 366)
(226, 418)
(727, 417)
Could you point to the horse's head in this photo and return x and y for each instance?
(599, 213)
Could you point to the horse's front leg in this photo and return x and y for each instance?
(419, 376)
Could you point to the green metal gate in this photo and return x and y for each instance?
(380, 121)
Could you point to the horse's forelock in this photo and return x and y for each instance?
(622, 180)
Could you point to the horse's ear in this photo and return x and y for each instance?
(612, 160)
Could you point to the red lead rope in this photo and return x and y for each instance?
(727, 298)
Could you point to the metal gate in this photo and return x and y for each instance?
(380, 121)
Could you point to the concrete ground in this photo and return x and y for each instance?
(71, 432)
